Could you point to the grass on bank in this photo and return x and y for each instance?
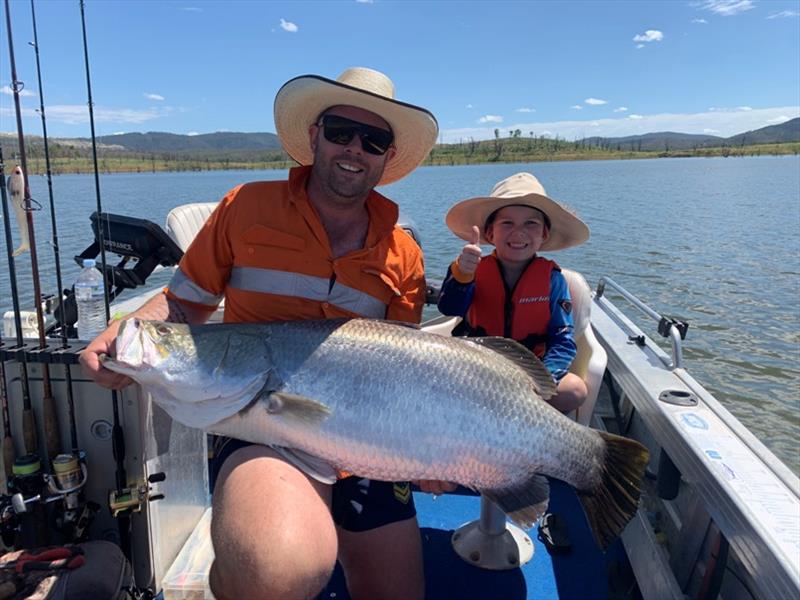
(499, 150)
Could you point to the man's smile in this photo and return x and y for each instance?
(349, 167)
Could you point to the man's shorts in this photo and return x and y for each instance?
(357, 504)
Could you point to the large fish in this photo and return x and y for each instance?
(388, 402)
(16, 188)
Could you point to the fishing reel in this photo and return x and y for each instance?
(133, 498)
(29, 487)
(68, 479)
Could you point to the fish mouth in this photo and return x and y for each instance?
(129, 354)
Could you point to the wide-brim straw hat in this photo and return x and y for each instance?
(301, 100)
(566, 229)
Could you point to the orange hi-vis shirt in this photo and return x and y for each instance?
(265, 250)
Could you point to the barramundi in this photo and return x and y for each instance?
(387, 401)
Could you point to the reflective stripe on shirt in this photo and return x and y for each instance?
(183, 287)
(309, 287)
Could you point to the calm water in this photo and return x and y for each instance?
(713, 241)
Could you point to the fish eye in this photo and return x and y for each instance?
(162, 329)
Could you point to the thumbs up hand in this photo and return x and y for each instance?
(471, 254)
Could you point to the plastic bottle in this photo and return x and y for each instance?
(90, 298)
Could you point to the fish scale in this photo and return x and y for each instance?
(390, 402)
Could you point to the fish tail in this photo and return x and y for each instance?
(613, 502)
(22, 248)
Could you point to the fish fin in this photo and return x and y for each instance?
(615, 500)
(294, 406)
(313, 466)
(524, 503)
(523, 358)
(20, 250)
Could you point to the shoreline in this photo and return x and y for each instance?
(443, 155)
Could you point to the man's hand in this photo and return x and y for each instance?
(90, 360)
(435, 487)
(471, 254)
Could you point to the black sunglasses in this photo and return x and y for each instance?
(338, 130)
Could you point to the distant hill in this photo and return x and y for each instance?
(155, 141)
(152, 151)
(668, 140)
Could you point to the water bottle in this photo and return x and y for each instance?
(90, 298)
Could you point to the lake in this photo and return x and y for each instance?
(714, 241)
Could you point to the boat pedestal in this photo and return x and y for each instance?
(492, 543)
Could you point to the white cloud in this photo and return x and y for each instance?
(595, 101)
(78, 114)
(365, 1)
(651, 35)
(525, 109)
(154, 97)
(6, 89)
(784, 14)
(726, 8)
(710, 131)
(192, 133)
(288, 26)
(577, 107)
(490, 119)
(468, 106)
(703, 21)
(191, 8)
(639, 46)
(621, 109)
(725, 109)
(635, 117)
(726, 123)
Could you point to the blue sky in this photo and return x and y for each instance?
(571, 69)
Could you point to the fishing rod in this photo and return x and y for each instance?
(8, 441)
(118, 438)
(48, 405)
(29, 431)
(56, 247)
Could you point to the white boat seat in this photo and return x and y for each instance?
(183, 222)
(590, 361)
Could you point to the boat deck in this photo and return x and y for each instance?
(583, 573)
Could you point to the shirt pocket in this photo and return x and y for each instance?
(266, 248)
(389, 289)
(261, 235)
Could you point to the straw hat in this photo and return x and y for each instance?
(301, 100)
(524, 189)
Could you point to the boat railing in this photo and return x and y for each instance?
(667, 326)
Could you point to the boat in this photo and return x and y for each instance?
(719, 516)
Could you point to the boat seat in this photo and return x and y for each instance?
(590, 361)
(591, 358)
(183, 222)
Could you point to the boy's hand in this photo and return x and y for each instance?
(471, 254)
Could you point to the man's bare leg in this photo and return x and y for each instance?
(383, 563)
(271, 528)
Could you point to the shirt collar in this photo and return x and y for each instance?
(383, 213)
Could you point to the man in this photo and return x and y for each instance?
(322, 244)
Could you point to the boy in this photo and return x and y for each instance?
(513, 292)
